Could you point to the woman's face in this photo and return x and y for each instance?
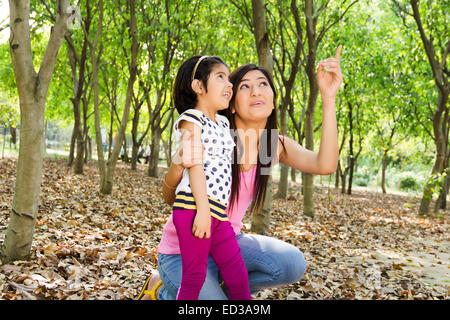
(254, 98)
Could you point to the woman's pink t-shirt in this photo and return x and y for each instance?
(169, 241)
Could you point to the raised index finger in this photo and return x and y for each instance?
(338, 52)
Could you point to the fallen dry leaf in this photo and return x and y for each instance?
(91, 246)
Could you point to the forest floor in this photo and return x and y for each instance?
(86, 245)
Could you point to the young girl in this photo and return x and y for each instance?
(201, 89)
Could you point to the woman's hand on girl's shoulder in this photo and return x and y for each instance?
(190, 151)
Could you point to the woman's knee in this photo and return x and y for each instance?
(270, 261)
(292, 264)
(301, 266)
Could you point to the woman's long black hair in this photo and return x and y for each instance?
(270, 135)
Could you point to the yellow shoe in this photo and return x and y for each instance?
(151, 292)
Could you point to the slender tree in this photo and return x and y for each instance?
(261, 219)
(312, 13)
(160, 59)
(107, 170)
(442, 84)
(32, 89)
(290, 42)
(436, 43)
(78, 67)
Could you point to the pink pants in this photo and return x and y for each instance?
(224, 249)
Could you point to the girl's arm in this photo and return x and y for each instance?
(179, 163)
(201, 227)
(325, 161)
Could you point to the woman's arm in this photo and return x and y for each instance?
(325, 161)
(171, 181)
(329, 78)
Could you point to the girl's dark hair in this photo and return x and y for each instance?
(184, 97)
(270, 135)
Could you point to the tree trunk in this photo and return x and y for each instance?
(78, 88)
(350, 177)
(78, 163)
(427, 196)
(108, 182)
(308, 199)
(337, 175)
(350, 145)
(339, 172)
(87, 149)
(261, 219)
(135, 146)
(284, 170)
(166, 152)
(72, 147)
(442, 84)
(4, 142)
(442, 199)
(287, 103)
(169, 158)
(137, 142)
(95, 89)
(13, 132)
(440, 158)
(311, 21)
(384, 164)
(261, 34)
(154, 151)
(32, 88)
(134, 154)
(344, 178)
(20, 231)
(111, 131)
(284, 183)
(293, 175)
(85, 132)
(126, 159)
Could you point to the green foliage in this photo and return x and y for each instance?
(435, 181)
(9, 111)
(387, 76)
(409, 183)
(361, 179)
(9, 102)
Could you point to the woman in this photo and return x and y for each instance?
(269, 262)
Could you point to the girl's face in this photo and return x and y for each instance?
(254, 97)
(220, 89)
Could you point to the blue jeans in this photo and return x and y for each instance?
(270, 263)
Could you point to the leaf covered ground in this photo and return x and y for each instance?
(89, 246)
